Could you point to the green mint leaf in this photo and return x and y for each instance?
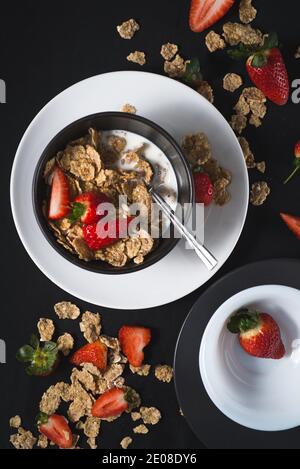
(193, 73)
(25, 354)
(78, 211)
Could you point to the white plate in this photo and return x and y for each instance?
(179, 110)
(258, 393)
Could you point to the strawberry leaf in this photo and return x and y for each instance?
(271, 41)
(78, 211)
(193, 73)
(41, 419)
(42, 360)
(259, 61)
(25, 354)
(34, 341)
(243, 321)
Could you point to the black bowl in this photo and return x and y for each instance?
(113, 121)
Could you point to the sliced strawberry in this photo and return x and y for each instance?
(296, 163)
(56, 429)
(133, 340)
(112, 403)
(95, 242)
(204, 189)
(259, 334)
(95, 353)
(292, 222)
(59, 205)
(84, 207)
(205, 13)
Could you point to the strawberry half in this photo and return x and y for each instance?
(112, 403)
(204, 189)
(133, 340)
(95, 353)
(259, 334)
(95, 242)
(56, 429)
(292, 222)
(205, 13)
(84, 207)
(266, 68)
(59, 205)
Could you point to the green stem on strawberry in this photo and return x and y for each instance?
(42, 360)
(193, 75)
(293, 173)
(242, 321)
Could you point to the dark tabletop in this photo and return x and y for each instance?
(44, 49)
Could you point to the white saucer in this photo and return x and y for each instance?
(257, 393)
(178, 109)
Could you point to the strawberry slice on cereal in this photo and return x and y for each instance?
(95, 241)
(113, 403)
(42, 361)
(85, 207)
(59, 205)
(133, 340)
(55, 427)
(95, 353)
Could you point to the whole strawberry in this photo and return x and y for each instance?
(259, 334)
(204, 189)
(266, 69)
(296, 163)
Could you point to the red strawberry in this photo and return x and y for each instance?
(84, 207)
(59, 205)
(133, 340)
(204, 189)
(259, 334)
(292, 222)
(205, 13)
(56, 429)
(95, 353)
(268, 72)
(112, 403)
(95, 242)
(296, 162)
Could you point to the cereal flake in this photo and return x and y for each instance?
(143, 370)
(137, 57)
(206, 91)
(234, 33)
(141, 429)
(42, 442)
(238, 122)
(128, 29)
(164, 373)
(214, 42)
(23, 439)
(197, 148)
(232, 82)
(46, 329)
(66, 310)
(65, 343)
(90, 326)
(247, 11)
(135, 416)
(175, 68)
(129, 108)
(261, 167)
(15, 422)
(168, 50)
(248, 155)
(150, 415)
(125, 442)
(259, 193)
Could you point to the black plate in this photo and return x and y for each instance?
(213, 428)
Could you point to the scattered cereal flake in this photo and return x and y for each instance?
(128, 29)
(234, 33)
(42, 442)
(141, 429)
(255, 120)
(143, 370)
(168, 50)
(261, 167)
(150, 415)
(137, 57)
(242, 107)
(15, 422)
(197, 148)
(297, 53)
(248, 155)
(232, 82)
(164, 373)
(206, 91)
(214, 42)
(256, 101)
(85, 378)
(129, 108)
(110, 342)
(247, 11)
(50, 400)
(65, 343)
(46, 329)
(92, 443)
(90, 325)
(66, 310)
(135, 416)
(125, 442)
(176, 67)
(91, 369)
(238, 122)
(23, 439)
(259, 193)
(91, 427)
(113, 372)
(81, 404)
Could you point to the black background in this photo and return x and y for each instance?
(46, 47)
